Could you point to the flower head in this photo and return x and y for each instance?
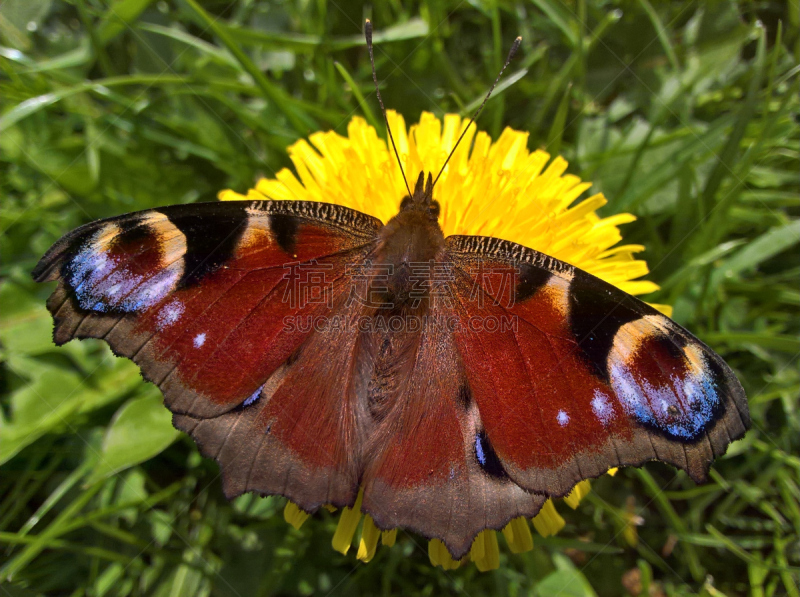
(488, 188)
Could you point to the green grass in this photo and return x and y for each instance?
(685, 113)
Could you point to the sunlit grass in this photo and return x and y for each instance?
(685, 114)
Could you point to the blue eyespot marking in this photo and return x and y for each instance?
(487, 458)
(253, 397)
(682, 409)
(479, 450)
(102, 282)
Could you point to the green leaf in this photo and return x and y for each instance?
(566, 581)
(779, 342)
(54, 397)
(141, 429)
(26, 327)
(119, 17)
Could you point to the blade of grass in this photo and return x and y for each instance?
(677, 523)
(14, 539)
(788, 575)
(118, 18)
(300, 42)
(34, 104)
(715, 226)
(726, 158)
(357, 93)
(55, 496)
(26, 486)
(561, 18)
(190, 40)
(661, 31)
(97, 46)
(557, 129)
(566, 71)
(27, 555)
(779, 342)
(696, 147)
(757, 251)
(301, 122)
(729, 544)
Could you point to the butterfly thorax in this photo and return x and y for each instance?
(410, 243)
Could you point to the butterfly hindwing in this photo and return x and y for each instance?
(583, 377)
(301, 433)
(429, 465)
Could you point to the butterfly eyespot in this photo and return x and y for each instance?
(672, 410)
(487, 458)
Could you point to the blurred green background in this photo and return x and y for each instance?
(685, 113)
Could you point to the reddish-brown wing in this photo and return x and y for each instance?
(572, 376)
(421, 471)
(215, 302)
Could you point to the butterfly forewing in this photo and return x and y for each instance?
(196, 294)
(587, 377)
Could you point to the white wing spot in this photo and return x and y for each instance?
(169, 314)
(199, 340)
(602, 407)
(562, 418)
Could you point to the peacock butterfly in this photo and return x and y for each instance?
(312, 351)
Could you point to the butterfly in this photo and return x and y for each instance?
(458, 381)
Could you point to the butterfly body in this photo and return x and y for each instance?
(411, 237)
(458, 381)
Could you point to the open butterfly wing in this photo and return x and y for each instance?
(573, 376)
(198, 296)
(421, 467)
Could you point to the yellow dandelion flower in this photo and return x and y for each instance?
(490, 188)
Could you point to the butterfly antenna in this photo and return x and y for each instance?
(368, 35)
(511, 52)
